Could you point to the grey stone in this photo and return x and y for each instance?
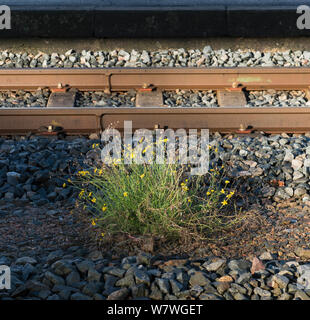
(73, 278)
(280, 280)
(266, 255)
(13, 178)
(53, 297)
(239, 265)
(44, 294)
(210, 296)
(54, 278)
(91, 288)
(199, 278)
(62, 267)
(25, 260)
(163, 285)
(196, 291)
(85, 265)
(144, 258)
(80, 296)
(214, 266)
(117, 272)
(221, 286)
(299, 294)
(54, 256)
(244, 277)
(155, 293)
(120, 294)
(176, 286)
(93, 275)
(142, 277)
(127, 281)
(303, 253)
(261, 292)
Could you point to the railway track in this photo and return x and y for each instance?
(61, 115)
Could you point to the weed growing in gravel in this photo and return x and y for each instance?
(159, 200)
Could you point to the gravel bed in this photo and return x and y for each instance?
(101, 99)
(79, 273)
(35, 168)
(20, 98)
(279, 98)
(190, 98)
(177, 98)
(35, 205)
(178, 57)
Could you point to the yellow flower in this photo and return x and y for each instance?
(146, 148)
(125, 194)
(226, 182)
(83, 173)
(69, 180)
(185, 188)
(104, 208)
(95, 170)
(224, 203)
(142, 175)
(93, 222)
(223, 191)
(64, 185)
(100, 172)
(102, 234)
(93, 200)
(89, 195)
(81, 194)
(208, 193)
(230, 194)
(212, 190)
(189, 200)
(216, 150)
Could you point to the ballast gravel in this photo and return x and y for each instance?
(77, 273)
(175, 98)
(175, 57)
(207, 57)
(34, 171)
(35, 168)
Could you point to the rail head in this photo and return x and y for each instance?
(124, 79)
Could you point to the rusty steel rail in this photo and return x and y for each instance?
(94, 120)
(123, 79)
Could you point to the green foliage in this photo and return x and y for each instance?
(160, 200)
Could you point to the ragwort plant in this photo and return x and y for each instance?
(160, 200)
